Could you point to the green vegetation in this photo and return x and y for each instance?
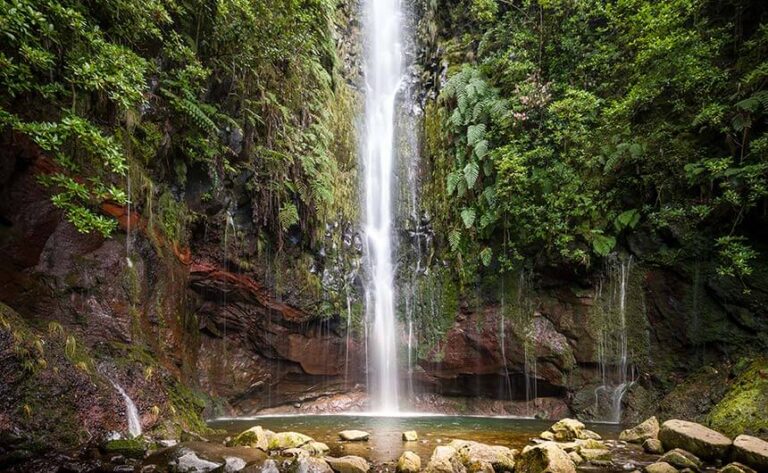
(742, 410)
(110, 89)
(566, 127)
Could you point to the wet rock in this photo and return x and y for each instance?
(269, 466)
(681, 459)
(307, 464)
(445, 459)
(317, 449)
(590, 444)
(587, 434)
(547, 435)
(294, 452)
(255, 437)
(480, 467)
(660, 467)
(284, 440)
(653, 446)
(188, 436)
(354, 435)
(575, 458)
(469, 452)
(189, 462)
(703, 442)
(751, 451)
(593, 454)
(233, 464)
(546, 457)
(348, 464)
(567, 429)
(410, 436)
(131, 448)
(408, 462)
(649, 429)
(736, 467)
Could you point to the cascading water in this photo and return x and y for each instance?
(131, 413)
(383, 72)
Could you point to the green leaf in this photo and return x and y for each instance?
(471, 173)
(475, 133)
(468, 217)
(627, 219)
(454, 239)
(602, 244)
(486, 255)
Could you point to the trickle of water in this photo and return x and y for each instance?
(383, 72)
(131, 413)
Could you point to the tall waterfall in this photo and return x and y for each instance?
(383, 72)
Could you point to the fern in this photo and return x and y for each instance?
(454, 239)
(288, 215)
(471, 173)
(468, 217)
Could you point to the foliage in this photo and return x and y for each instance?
(571, 125)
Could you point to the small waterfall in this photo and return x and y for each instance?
(382, 76)
(613, 350)
(131, 413)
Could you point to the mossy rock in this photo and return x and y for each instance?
(131, 448)
(742, 410)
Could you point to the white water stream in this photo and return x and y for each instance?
(383, 73)
(131, 413)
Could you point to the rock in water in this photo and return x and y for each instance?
(653, 446)
(649, 429)
(445, 459)
(736, 467)
(703, 442)
(317, 449)
(348, 464)
(660, 467)
(255, 437)
(310, 465)
(354, 435)
(410, 436)
(751, 451)
(469, 453)
(284, 440)
(544, 458)
(189, 462)
(681, 459)
(567, 429)
(593, 454)
(408, 462)
(233, 464)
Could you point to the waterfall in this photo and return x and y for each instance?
(382, 77)
(131, 413)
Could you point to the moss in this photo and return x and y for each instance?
(132, 448)
(743, 408)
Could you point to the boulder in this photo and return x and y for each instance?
(304, 464)
(348, 464)
(445, 459)
(589, 443)
(587, 434)
(547, 435)
(660, 467)
(284, 440)
(544, 458)
(233, 464)
(469, 452)
(576, 458)
(294, 452)
(751, 451)
(567, 429)
(593, 454)
(735, 467)
(480, 467)
(269, 466)
(408, 462)
(681, 459)
(317, 449)
(648, 429)
(189, 462)
(131, 448)
(410, 436)
(703, 442)
(255, 437)
(354, 435)
(653, 446)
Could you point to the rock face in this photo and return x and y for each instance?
(408, 462)
(348, 464)
(703, 442)
(354, 435)
(544, 458)
(649, 429)
(751, 451)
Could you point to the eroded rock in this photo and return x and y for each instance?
(648, 429)
(703, 442)
(408, 462)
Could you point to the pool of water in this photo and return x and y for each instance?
(386, 445)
